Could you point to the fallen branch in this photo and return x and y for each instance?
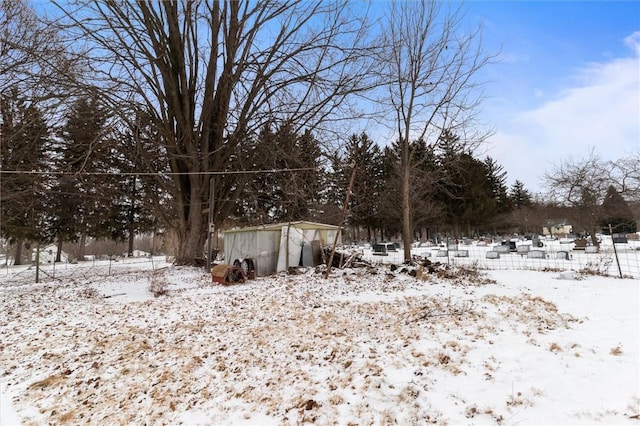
(114, 295)
(452, 311)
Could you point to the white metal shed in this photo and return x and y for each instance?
(276, 247)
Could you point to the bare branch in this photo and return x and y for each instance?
(209, 74)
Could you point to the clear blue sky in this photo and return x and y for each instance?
(567, 81)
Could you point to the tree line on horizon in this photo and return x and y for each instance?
(60, 194)
(112, 194)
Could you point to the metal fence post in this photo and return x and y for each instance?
(615, 252)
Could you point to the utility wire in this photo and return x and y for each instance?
(231, 172)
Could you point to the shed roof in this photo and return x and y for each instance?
(302, 224)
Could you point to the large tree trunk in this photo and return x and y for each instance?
(18, 257)
(132, 227)
(130, 242)
(192, 234)
(82, 243)
(406, 203)
(59, 250)
(131, 218)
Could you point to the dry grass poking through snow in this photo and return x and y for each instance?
(361, 348)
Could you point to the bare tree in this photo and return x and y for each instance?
(626, 174)
(581, 185)
(31, 55)
(429, 68)
(34, 60)
(210, 73)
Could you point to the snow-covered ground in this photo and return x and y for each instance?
(364, 346)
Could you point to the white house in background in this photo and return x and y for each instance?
(48, 254)
(557, 228)
(275, 247)
(137, 253)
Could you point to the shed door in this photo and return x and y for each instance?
(291, 241)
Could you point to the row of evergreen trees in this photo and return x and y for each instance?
(67, 183)
(451, 189)
(86, 178)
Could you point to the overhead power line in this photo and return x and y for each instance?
(230, 172)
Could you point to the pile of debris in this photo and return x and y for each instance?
(353, 259)
(345, 259)
(419, 266)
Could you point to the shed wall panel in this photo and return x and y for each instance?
(261, 246)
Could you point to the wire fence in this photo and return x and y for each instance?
(80, 271)
(619, 260)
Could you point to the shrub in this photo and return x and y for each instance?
(158, 287)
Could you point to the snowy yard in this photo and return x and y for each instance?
(366, 346)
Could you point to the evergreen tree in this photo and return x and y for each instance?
(263, 194)
(390, 212)
(519, 195)
(24, 140)
(424, 175)
(425, 209)
(83, 199)
(131, 210)
(617, 213)
(497, 179)
(524, 216)
(286, 195)
(363, 154)
(476, 203)
(449, 188)
(454, 165)
(472, 192)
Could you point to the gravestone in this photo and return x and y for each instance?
(493, 255)
(536, 254)
(580, 244)
(380, 250)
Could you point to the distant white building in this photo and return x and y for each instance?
(557, 228)
(137, 253)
